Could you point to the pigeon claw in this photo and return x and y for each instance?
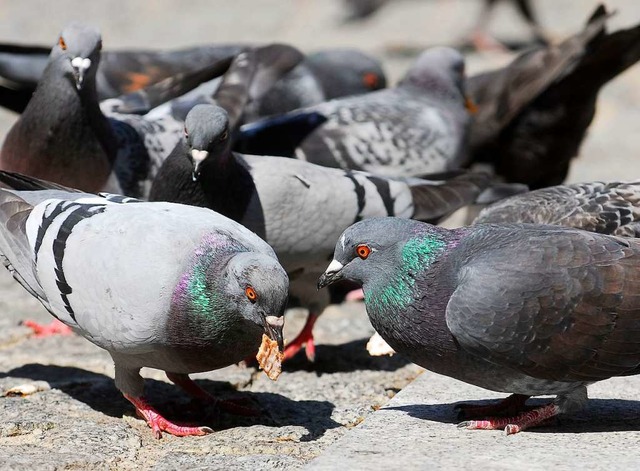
(55, 327)
(510, 425)
(159, 424)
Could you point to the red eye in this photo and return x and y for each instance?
(62, 44)
(186, 133)
(363, 251)
(370, 80)
(251, 294)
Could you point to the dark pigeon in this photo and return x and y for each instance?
(299, 208)
(418, 127)
(522, 309)
(533, 115)
(197, 296)
(603, 207)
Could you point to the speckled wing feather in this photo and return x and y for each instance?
(552, 302)
(603, 207)
(389, 132)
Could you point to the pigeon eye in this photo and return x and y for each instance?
(363, 251)
(251, 294)
(186, 133)
(62, 44)
(224, 136)
(370, 80)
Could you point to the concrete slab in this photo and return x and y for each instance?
(417, 430)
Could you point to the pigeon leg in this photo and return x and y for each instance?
(55, 327)
(511, 425)
(159, 424)
(507, 407)
(305, 337)
(192, 388)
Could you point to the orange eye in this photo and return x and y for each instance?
(224, 136)
(363, 251)
(62, 44)
(370, 80)
(186, 133)
(251, 294)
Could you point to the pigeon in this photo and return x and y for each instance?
(196, 295)
(64, 136)
(517, 308)
(604, 207)
(322, 76)
(299, 208)
(418, 127)
(120, 72)
(533, 115)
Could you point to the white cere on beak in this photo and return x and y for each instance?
(334, 266)
(80, 66)
(198, 157)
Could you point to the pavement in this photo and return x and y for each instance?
(348, 409)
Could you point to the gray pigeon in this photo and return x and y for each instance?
(195, 294)
(299, 208)
(603, 207)
(533, 114)
(63, 135)
(522, 309)
(418, 127)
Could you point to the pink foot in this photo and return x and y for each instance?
(482, 41)
(230, 406)
(355, 295)
(304, 339)
(55, 327)
(511, 425)
(507, 407)
(159, 424)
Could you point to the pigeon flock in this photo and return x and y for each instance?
(169, 206)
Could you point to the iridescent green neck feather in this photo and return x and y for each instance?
(396, 291)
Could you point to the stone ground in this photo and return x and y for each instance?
(79, 420)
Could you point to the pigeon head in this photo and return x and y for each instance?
(206, 130)
(258, 285)
(438, 69)
(225, 285)
(344, 72)
(78, 50)
(378, 250)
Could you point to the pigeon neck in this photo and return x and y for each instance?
(228, 186)
(67, 134)
(408, 305)
(197, 299)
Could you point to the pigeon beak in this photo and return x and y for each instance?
(332, 274)
(80, 66)
(198, 157)
(273, 326)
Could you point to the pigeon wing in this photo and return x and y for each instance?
(554, 303)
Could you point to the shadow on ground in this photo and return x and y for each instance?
(99, 392)
(345, 358)
(600, 415)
